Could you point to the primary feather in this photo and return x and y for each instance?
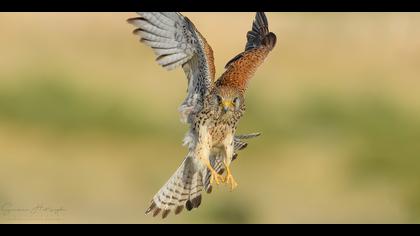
(176, 42)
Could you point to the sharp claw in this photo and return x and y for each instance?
(230, 180)
(215, 177)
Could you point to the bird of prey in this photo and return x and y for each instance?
(212, 107)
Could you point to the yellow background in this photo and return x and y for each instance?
(89, 121)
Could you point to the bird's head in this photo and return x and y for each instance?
(227, 100)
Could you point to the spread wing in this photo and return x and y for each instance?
(176, 42)
(260, 41)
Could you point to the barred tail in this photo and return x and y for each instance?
(182, 190)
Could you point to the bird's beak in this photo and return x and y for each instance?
(227, 105)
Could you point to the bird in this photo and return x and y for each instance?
(212, 107)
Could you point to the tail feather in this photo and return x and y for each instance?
(182, 190)
(194, 199)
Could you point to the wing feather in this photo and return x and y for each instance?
(176, 42)
(260, 41)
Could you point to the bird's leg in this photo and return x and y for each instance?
(203, 153)
(229, 178)
(215, 177)
(229, 151)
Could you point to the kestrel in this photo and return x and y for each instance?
(212, 107)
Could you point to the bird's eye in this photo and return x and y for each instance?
(219, 99)
(235, 100)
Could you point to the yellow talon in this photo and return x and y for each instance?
(215, 177)
(229, 179)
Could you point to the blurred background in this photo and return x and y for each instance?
(89, 121)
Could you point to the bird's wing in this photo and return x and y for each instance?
(176, 42)
(260, 41)
(246, 136)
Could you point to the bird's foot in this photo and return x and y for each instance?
(230, 180)
(216, 178)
